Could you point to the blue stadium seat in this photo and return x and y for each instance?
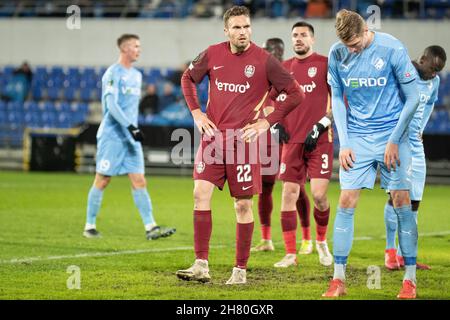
(33, 119)
(83, 108)
(63, 120)
(85, 93)
(49, 119)
(53, 93)
(3, 117)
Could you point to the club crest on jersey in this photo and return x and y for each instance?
(200, 167)
(378, 63)
(249, 71)
(312, 72)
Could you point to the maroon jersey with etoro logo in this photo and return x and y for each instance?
(311, 74)
(239, 84)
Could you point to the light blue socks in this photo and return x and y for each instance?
(342, 240)
(144, 205)
(95, 197)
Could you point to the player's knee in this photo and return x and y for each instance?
(400, 198)
(101, 182)
(348, 200)
(242, 206)
(320, 199)
(139, 183)
(200, 195)
(291, 191)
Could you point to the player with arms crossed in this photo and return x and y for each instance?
(428, 65)
(119, 148)
(372, 69)
(308, 152)
(240, 75)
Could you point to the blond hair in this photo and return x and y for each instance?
(234, 12)
(349, 24)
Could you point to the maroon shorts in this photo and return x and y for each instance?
(296, 164)
(270, 156)
(239, 165)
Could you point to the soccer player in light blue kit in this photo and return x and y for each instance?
(371, 69)
(119, 148)
(428, 65)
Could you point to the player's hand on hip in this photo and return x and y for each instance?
(252, 131)
(136, 133)
(391, 156)
(202, 122)
(346, 158)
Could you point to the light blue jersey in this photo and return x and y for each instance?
(117, 152)
(370, 81)
(125, 87)
(428, 91)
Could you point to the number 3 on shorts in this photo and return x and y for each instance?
(243, 173)
(325, 161)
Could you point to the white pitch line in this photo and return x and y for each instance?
(98, 254)
(139, 251)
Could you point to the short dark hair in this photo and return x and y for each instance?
(437, 52)
(234, 12)
(126, 37)
(276, 41)
(303, 24)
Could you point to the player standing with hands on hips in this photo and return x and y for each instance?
(240, 75)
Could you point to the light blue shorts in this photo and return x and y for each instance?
(369, 152)
(117, 157)
(418, 174)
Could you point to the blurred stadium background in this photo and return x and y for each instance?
(49, 114)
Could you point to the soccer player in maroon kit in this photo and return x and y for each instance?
(240, 75)
(269, 170)
(309, 151)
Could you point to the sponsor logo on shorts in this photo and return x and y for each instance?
(283, 168)
(200, 167)
(105, 165)
(324, 171)
(247, 187)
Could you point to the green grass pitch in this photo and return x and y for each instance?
(42, 217)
